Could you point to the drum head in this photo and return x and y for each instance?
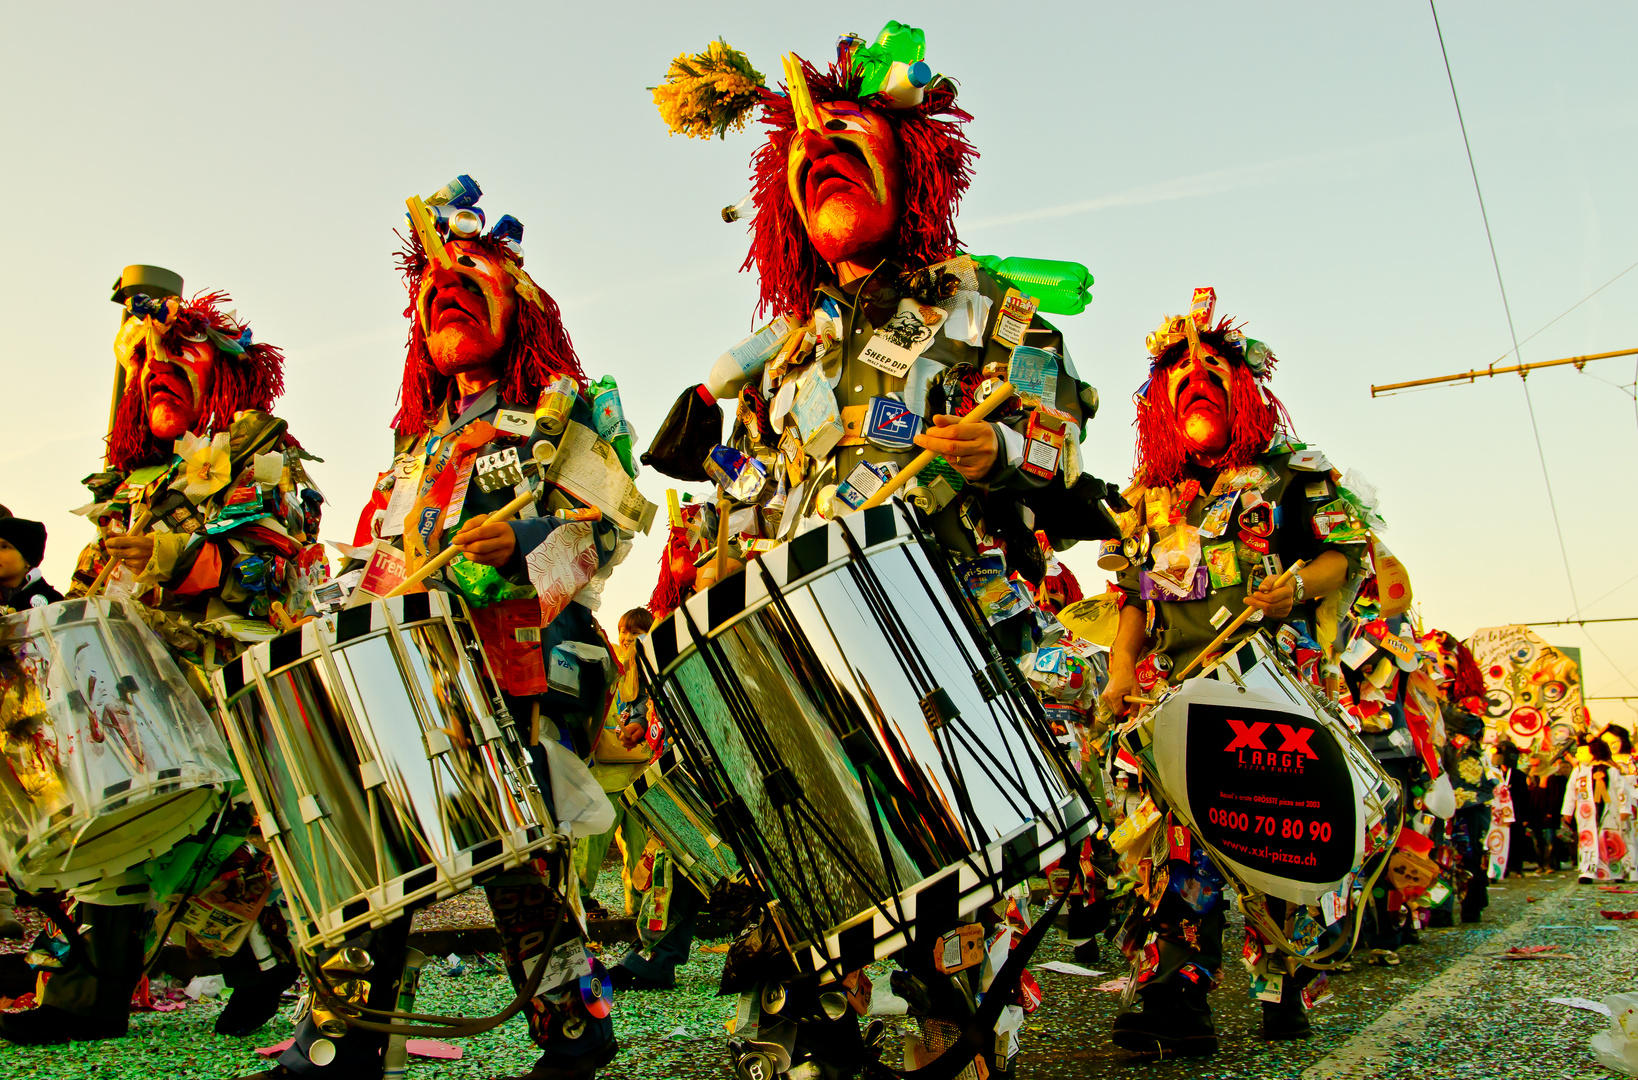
(1266, 784)
(114, 842)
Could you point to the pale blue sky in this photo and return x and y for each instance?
(1303, 158)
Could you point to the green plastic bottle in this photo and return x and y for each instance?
(896, 43)
(1062, 287)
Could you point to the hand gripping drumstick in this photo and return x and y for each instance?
(997, 398)
(1239, 621)
(446, 556)
(137, 526)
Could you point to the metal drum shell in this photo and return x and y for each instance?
(382, 765)
(666, 799)
(111, 757)
(774, 605)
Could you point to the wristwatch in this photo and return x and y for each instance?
(1296, 583)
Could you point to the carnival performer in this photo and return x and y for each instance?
(207, 514)
(1461, 687)
(22, 547)
(884, 335)
(487, 347)
(1598, 806)
(1222, 503)
(1620, 744)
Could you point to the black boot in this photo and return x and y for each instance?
(1087, 952)
(1282, 1021)
(249, 1007)
(47, 1025)
(1173, 1023)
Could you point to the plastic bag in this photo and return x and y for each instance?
(691, 430)
(1617, 1048)
(580, 805)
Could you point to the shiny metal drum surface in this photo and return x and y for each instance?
(871, 759)
(383, 767)
(666, 799)
(109, 757)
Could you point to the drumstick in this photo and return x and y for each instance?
(720, 567)
(1239, 621)
(137, 526)
(444, 557)
(997, 397)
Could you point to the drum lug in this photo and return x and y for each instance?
(861, 746)
(781, 787)
(994, 680)
(938, 709)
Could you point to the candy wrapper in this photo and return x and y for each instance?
(986, 582)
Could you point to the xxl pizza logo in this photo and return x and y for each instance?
(1252, 751)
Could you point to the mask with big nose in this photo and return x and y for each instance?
(1198, 388)
(468, 313)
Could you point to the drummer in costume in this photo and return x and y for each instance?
(884, 335)
(1461, 687)
(208, 521)
(486, 345)
(1222, 503)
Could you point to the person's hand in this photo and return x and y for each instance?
(632, 735)
(968, 445)
(134, 551)
(1121, 683)
(1275, 601)
(486, 542)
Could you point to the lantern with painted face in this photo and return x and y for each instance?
(187, 366)
(1204, 402)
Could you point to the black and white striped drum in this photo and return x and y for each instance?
(861, 741)
(109, 758)
(384, 767)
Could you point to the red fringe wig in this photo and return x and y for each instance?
(676, 581)
(539, 351)
(254, 380)
(1162, 458)
(1469, 680)
(937, 161)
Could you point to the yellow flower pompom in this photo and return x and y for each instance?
(708, 93)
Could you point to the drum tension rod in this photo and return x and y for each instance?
(938, 709)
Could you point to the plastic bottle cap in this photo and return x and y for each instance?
(920, 73)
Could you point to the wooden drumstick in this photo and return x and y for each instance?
(1239, 621)
(997, 398)
(720, 566)
(444, 557)
(137, 526)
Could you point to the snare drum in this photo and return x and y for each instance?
(109, 757)
(869, 754)
(666, 799)
(1262, 767)
(383, 766)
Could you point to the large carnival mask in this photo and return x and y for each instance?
(170, 366)
(845, 178)
(467, 310)
(1199, 389)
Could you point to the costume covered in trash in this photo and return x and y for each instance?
(1598, 805)
(884, 334)
(886, 344)
(492, 387)
(208, 531)
(1223, 504)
